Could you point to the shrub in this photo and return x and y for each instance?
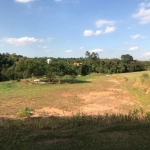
(26, 112)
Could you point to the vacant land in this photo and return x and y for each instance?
(94, 94)
(90, 114)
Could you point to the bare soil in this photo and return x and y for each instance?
(111, 98)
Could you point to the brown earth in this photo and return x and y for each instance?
(112, 98)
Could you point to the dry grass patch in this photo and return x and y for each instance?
(101, 95)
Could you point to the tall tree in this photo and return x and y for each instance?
(127, 58)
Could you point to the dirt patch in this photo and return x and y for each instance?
(110, 99)
(103, 95)
(46, 111)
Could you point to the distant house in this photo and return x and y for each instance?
(77, 64)
(49, 60)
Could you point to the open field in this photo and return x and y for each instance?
(96, 94)
(91, 114)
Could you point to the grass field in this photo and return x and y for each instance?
(134, 74)
(65, 97)
(97, 112)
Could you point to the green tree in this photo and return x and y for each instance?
(85, 69)
(127, 58)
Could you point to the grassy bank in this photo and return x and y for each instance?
(138, 85)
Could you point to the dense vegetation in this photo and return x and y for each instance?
(14, 66)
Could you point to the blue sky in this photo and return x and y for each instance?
(69, 28)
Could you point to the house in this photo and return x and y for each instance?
(77, 64)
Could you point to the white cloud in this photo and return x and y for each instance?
(135, 36)
(96, 50)
(24, 1)
(68, 51)
(134, 49)
(57, 0)
(145, 56)
(100, 23)
(110, 29)
(21, 41)
(144, 5)
(98, 32)
(90, 32)
(143, 13)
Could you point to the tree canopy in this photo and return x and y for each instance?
(127, 58)
(14, 66)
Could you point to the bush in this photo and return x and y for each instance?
(26, 112)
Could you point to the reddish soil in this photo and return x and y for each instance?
(108, 100)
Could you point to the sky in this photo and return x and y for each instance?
(69, 28)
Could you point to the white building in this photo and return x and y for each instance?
(49, 60)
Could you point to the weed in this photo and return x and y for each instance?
(26, 112)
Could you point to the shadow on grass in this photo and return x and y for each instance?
(69, 82)
(76, 81)
(109, 131)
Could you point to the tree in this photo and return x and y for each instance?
(127, 58)
(9, 73)
(94, 56)
(85, 70)
(87, 54)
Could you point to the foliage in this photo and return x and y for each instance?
(26, 112)
(127, 58)
(14, 66)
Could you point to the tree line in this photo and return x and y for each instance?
(13, 67)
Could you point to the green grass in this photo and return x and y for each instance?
(137, 84)
(103, 132)
(18, 95)
(26, 112)
(108, 132)
(133, 74)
